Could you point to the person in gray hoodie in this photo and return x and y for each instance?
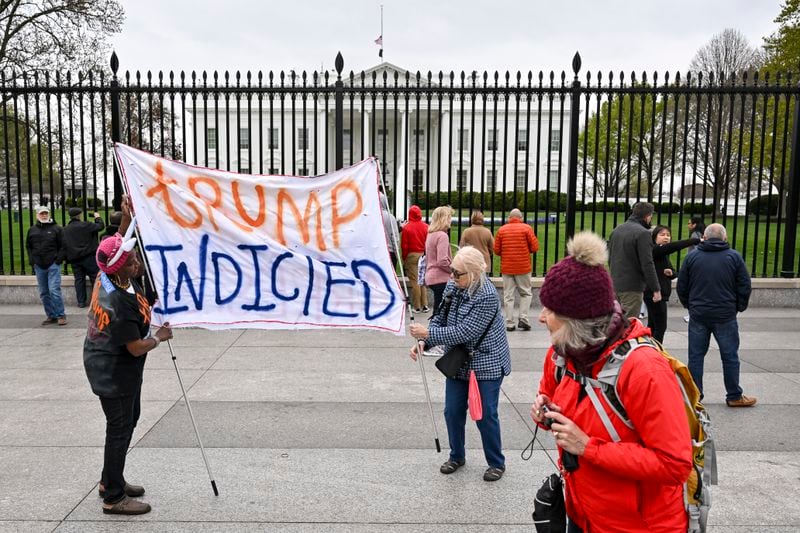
(630, 260)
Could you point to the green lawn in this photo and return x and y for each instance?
(743, 232)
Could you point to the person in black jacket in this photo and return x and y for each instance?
(80, 244)
(45, 246)
(663, 247)
(714, 284)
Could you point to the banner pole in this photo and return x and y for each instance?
(420, 344)
(169, 342)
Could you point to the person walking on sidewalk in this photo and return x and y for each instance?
(80, 245)
(630, 259)
(514, 243)
(438, 254)
(714, 285)
(45, 245)
(471, 316)
(117, 342)
(657, 311)
(480, 237)
(412, 247)
(632, 481)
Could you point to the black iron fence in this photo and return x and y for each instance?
(572, 152)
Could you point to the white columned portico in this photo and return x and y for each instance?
(400, 189)
(444, 152)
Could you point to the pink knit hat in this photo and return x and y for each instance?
(113, 252)
(579, 285)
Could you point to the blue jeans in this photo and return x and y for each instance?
(727, 336)
(122, 413)
(49, 281)
(455, 415)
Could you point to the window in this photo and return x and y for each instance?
(491, 140)
(273, 138)
(274, 171)
(418, 179)
(553, 181)
(382, 139)
(522, 140)
(347, 138)
(211, 138)
(302, 138)
(461, 180)
(463, 140)
(302, 172)
(555, 140)
(418, 141)
(491, 180)
(244, 139)
(519, 185)
(244, 170)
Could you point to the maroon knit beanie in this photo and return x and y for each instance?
(579, 285)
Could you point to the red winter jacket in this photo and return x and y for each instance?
(412, 238)
(514, 243)
(635, 485)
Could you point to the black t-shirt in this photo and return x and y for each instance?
(116, 317)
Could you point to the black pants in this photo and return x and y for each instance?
(121, 416)
(81, 268)
(438, 292)
(656, 317)
(572, 528)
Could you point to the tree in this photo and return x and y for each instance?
(719, 132)
(38, 35)
(622, 146)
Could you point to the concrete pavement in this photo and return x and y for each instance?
(329, 430)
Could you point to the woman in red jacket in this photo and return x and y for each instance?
(633, 483)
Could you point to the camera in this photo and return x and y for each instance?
(545, 420)
(568, 460)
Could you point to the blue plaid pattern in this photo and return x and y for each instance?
(465, 323)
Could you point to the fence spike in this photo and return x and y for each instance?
(576, 64)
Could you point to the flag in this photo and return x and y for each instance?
(380, 52)
(379, 40)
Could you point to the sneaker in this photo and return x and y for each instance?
(436, 351)
(523, 326)
(130, 490)
(425, 308)
(511, 328)
(126, 506)
(62, 321)
(417, 310)
(744, 401)
(49, 320)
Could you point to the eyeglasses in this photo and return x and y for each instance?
(456, 274)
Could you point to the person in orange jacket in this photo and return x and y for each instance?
(633, 484)
(514, 243)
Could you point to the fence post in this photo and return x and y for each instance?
(794, 197)
(574, 119)
(115, 127)
(339, 103)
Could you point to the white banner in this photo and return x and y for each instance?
(233, 250)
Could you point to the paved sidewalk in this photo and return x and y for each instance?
(329, 431)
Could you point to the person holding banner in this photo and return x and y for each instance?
(437, 253)
(471, 316)
(117, 342)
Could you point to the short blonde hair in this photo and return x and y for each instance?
(474, 265)
(440, 218)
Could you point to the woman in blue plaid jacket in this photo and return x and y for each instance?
(473, 308)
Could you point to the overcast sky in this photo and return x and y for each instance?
(430, 35)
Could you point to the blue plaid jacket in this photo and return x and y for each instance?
(465, 323)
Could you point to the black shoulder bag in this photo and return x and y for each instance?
(456, 357)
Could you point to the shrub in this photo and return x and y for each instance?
(697, 208)
(763, 205)
(666, 208)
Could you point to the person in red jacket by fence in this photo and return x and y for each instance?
(632, 481)
(412, 247)
(514, 243)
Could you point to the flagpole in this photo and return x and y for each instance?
(382, 33)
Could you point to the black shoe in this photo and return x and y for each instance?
(451, 466)
(81, 306)
(510, 328)
(523, 326)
